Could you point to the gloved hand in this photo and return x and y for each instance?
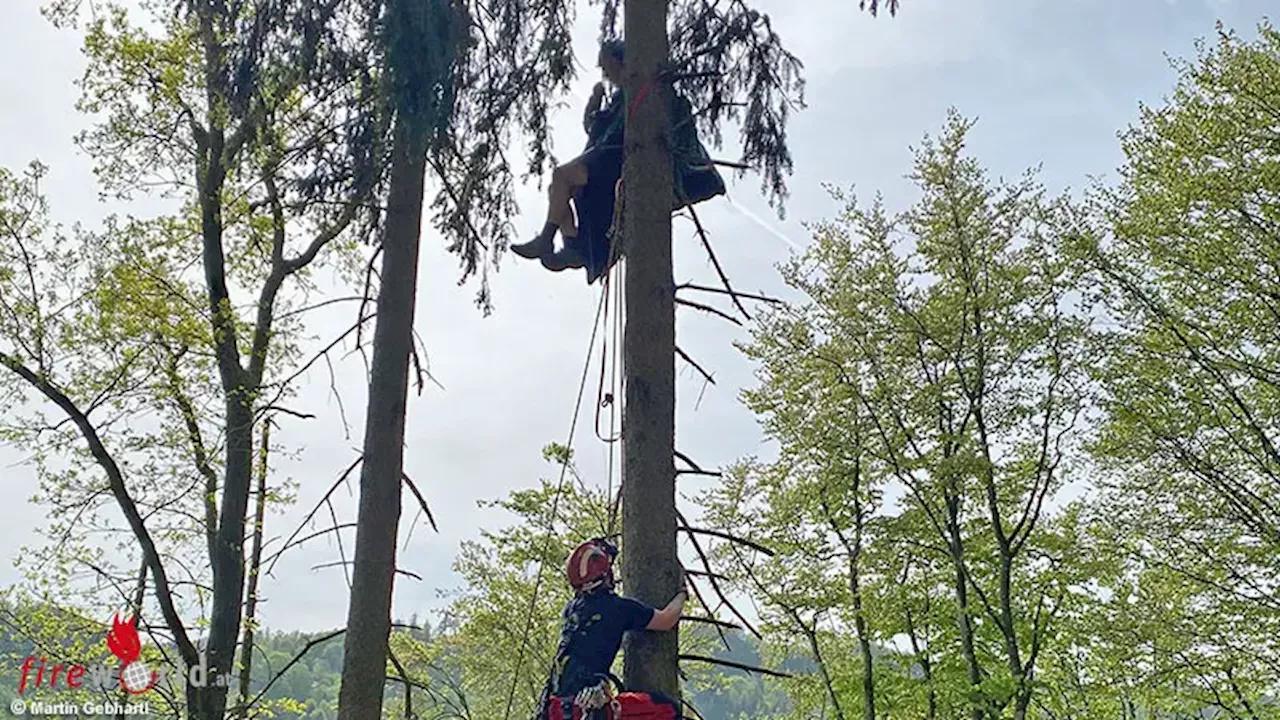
(592, 698)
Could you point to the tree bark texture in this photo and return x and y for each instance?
(650, 564)
(364, 658)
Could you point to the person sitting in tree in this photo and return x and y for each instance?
(599, 167)
(594, 622)
(592, 179)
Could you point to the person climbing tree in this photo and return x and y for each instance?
(594, 622)
(593, 179)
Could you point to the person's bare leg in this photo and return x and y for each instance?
(565, 181)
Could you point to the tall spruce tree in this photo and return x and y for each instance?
(497, 67)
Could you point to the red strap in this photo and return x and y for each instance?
(644, 91)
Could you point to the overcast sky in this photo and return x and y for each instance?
(1050, 81)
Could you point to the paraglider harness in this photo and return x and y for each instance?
(598, 204)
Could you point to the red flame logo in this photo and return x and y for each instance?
(122, 639)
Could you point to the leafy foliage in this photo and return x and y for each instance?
(1185, 260)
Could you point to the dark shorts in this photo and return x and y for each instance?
(594, 205)
(603, 163)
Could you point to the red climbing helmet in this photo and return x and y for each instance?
(590, 565)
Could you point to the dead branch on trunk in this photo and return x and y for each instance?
(689, 461)
(311, 515)
(708, 309)
(422, 502)
(685, 356)
(715, 585)
(735, 665)
(708, 473)
(711, 253)
(731, 538)
(720, 291)
(703, 602)
(710, 621)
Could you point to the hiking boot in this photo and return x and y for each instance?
(565, 259)
(540, 246)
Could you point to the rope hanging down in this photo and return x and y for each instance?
(610, 357)
(555, 509)
(615, 252)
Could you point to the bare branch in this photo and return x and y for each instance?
(715, 585)
(708, 473)
(296, 659)
(710, 621)
(408, 687)
(311, 515)
(692, 709)
(421, 501)
(711, 253)
(721, 291)
(688, 461)
(344, 564)
(731, 538)
(709, 309)
(286, 411)
(685, 356)
(115, 477)
(735, 665)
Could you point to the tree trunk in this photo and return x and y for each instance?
(855, 592)
(364, 658)
(965, 625)
(1021, 704)
(811, 634)
(1016, 667)
(926, 667)
(853, 548)
(255, 567)
(227, 551)
(864, 644)
(650, 564)
(228, 562)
